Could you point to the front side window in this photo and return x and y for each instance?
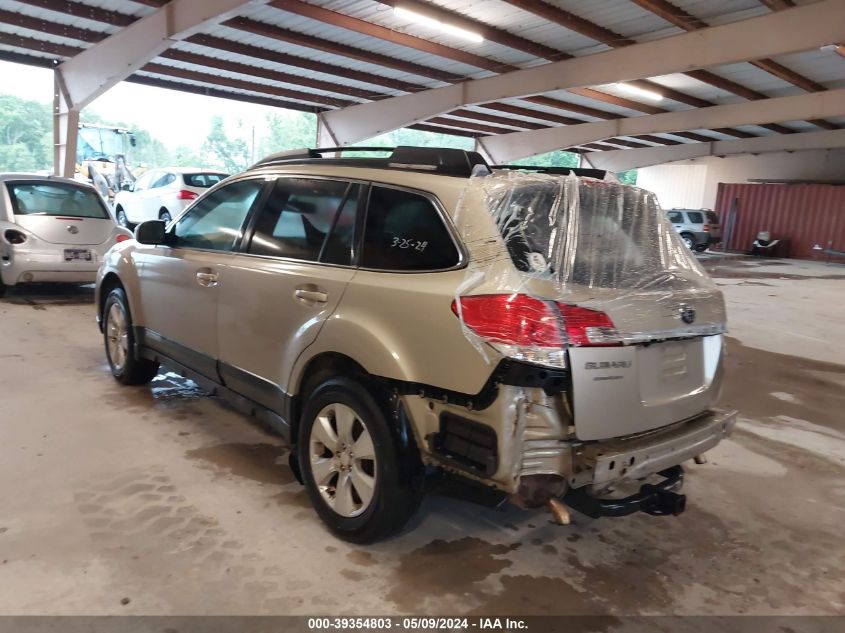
(405, 232)
(144, 181)
(55, 198)
(676, 217)
(216, 222)
(309, 220)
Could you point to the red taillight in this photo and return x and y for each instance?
(184, 194)
(705, 227)
(122, 237)
(526, 322)
(587, 327)
(511, 319)
(14, 237)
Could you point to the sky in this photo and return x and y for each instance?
(177, 118)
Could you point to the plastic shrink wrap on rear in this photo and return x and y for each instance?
(570, 261)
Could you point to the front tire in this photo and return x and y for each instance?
(351, 463)
(119, 339)
(689, 240)
(701, 248)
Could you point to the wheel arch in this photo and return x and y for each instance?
(316, 370)
(109, 282)
(323, 367)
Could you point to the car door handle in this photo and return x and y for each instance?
(310, 294)
(206, 277)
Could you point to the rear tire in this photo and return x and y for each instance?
(2, 288)
(122, 220)
(701, 248)
(352, 463)
(119, 340)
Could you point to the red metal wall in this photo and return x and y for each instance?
(806, 215)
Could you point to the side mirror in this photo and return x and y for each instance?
(151, 232)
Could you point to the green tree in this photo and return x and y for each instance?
(230, 154)
(287, 129)
(552, 159)
(25, 127)
(186, 156)
(628, 177)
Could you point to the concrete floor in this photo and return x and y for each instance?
(118, 500)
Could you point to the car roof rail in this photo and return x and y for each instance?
(557, 171)
(436, 160)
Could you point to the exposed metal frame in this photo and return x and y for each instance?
(507, 147)
(95, 70)
(797, 29)
(621, 160)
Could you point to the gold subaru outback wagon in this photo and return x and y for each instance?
(543, 333)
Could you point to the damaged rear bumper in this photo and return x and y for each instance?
(656, 499)
(599, 465)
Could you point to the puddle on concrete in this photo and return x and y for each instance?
(533, 595)
(298, 497)
(361, 557)
(258, 462)
(763, 384)
(42, 296)
(443, 568)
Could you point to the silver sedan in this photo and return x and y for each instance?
(52, 230)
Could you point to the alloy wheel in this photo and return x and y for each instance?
(117, 337)
(343, 460)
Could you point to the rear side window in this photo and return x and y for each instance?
(216, 221)
(55, 198)
(165, 180)
(309, 220)
(203, 181)
(695, 217)
(405, 232)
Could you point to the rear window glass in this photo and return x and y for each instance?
(695, 217)
(202, 180)
(712, 218)
(404, 231)
(612, 238)
(55, 198)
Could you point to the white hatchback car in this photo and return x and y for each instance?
(52, 229)
(162, 194)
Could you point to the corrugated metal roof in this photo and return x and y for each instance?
(56, 17)
(243, 37)
(622, 16)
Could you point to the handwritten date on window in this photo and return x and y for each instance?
(408, 243)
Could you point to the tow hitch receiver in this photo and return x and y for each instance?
(655, 499)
